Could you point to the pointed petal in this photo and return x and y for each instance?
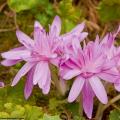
(37, 29)
(9, 62)
(29, 84)
(71, 73)
(56, 25)
(78, 29)
(67, 38)
(24, 39)
(117, 86)
(37, 35)
(37, 25)
(22, 72)
(47, 85)
(76, 44)
(13, 55)
(118, 30)
(83, 35)
(98, 89)
(88, 95)
(76, 89)
(105, 39)
(46, 89)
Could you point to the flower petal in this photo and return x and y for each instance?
(55, 61)
(76, 88)
(98, 89)
(109, 76)
(117, 86)
(71, 73)
(79, 28)
(37, 31)
(47, 85)
(40, 74)
(24, 39)
(9, 62)
(75, 32)
(29, 84)
(83, 35)
(37, 25)
(88, 95)
(15, 55)
(44, 76)
(22, 72)
(56, 25)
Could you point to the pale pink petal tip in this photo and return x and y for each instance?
(2, 84)
(57, 18)
(117, 87)
(9, 62)
(37, 25)
(24, 39)
(29, 84)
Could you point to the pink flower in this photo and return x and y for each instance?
(45, 49)
(113, 51)
(89, 66)
(68, 41)
(38, 54)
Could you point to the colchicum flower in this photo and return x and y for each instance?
(39, 53)
(89, 65)
(93, 65)
(113, 51)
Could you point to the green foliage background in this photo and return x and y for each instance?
(24, 13)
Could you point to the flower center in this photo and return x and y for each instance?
(87, 74)
(42, 57)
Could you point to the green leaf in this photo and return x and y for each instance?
(9, 107)
(16, 94)
(68, 11)
(19, 5)
(73, 108)
(33, 112)
(18, 111)
(47, 117)
(114, 115)
(53, 103)
(4, 115)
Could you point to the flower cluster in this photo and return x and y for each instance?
(89, 63)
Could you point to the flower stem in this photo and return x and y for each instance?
(80, 106)
(99, 113)
(113, 100)
(102, 108)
